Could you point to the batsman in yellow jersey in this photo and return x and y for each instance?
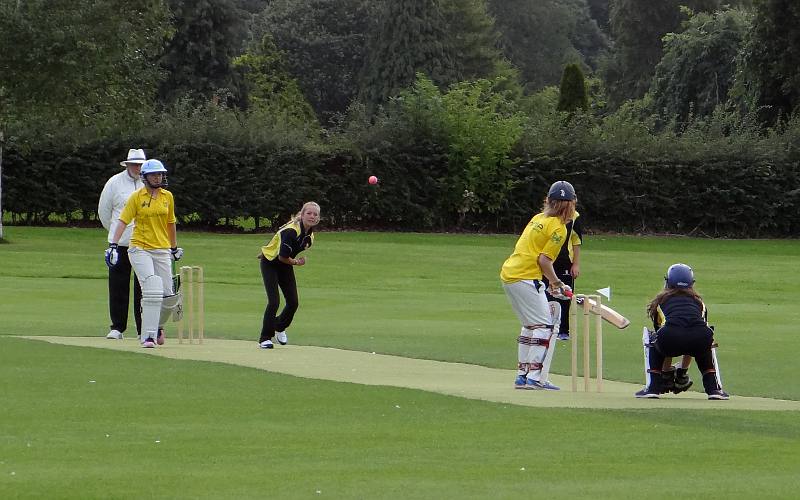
(522, 276)
(152, 249)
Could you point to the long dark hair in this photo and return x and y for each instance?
(666, 294)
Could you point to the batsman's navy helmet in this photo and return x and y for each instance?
(561, 190)
(679, 276)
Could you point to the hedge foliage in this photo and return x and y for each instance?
(473, 157)
(215, 185)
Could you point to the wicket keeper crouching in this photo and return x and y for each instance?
(680, 316)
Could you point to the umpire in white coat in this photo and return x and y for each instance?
(112, 200)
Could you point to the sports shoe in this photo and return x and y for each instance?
(718, 394)
(160, 338)
(520, 382)
(545, 386)
(281, 338)
(114, 335)
(563, 336)
(532, 385)
(648, 393)
(267, 344)
(149, 343)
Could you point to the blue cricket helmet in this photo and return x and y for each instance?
(679, 276)
(152, 167)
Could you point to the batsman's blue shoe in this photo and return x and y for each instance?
(267, 344)
(548, 386)
(563, 336)
(533, 385)
(520, 382)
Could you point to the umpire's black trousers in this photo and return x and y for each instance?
(119, 293)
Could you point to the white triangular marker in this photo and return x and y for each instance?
(605, 292)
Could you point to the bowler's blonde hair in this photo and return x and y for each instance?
(307, 204)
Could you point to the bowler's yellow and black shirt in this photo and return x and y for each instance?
(291, 239)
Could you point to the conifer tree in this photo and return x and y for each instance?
(771, 69)
(407, 38)
(447, 40)
(573, 95)
(638, 27)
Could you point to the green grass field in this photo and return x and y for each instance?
(92, 423)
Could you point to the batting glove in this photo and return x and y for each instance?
(177, 253)
(112, 255)
(560, 291)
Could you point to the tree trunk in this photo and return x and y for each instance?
(2, 141)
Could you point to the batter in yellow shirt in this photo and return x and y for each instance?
(152, 217)
(543, 235)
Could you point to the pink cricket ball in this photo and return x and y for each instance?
(373, 180)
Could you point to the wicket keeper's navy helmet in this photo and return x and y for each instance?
(679, 276)
(561, 190)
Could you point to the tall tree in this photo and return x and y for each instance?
(324, 46)
(196, 63)
(771, 59)
(448, 40)
(78, 61)
(472, 40)
(540, 36)
(637, 28)
(599, 12)
(408, 38)
(698, 68)
(270, 87)
(572, 94)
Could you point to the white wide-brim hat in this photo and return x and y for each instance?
(134, 156)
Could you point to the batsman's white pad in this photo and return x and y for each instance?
(524, 344)
(171, 307)
(541, 340)
(555, 313)
(152, 297)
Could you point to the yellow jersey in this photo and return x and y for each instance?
(290, 239)
(543, 235)
(152, 216)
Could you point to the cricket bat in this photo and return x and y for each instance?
(608, 314)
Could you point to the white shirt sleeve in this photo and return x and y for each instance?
(105, 206)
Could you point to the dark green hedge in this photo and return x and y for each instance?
(215, 184)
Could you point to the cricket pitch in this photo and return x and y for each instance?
(453, 379)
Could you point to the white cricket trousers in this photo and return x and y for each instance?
(153, 269)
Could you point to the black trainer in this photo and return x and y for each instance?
(648, 393)
(719, 394)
